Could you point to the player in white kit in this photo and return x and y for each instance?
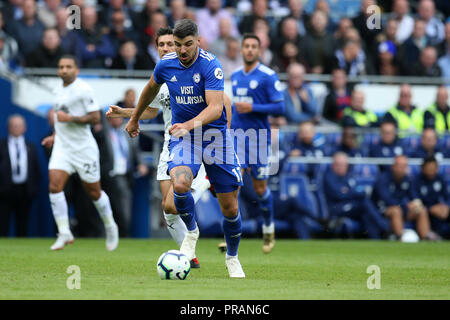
(75, 150)
(175, 224)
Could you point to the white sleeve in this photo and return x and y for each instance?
(89, 101)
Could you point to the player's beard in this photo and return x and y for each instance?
(191, 60)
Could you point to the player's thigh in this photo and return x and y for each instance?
(57, 180)
(228, 203)
(87, 164)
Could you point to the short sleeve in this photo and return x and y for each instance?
(89, 101)
(214, 77)
(274, 89)
(157, 73)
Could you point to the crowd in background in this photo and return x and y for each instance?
(412, 38)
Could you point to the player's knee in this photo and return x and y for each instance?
(260, 190)
(181, 186)
(55, 187)
(230, 209)
(94, 194)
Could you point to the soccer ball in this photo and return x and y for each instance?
(409, 236)
(173, 265)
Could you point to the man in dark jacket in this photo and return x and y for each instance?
(19, 177)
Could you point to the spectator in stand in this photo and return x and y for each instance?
(427, 65)
(360, 23)
(296, 12)
(93, 48)
(352, 59)
(408, 118)
(300, 104)
(143, 19)
(434, 194)
(119, 33)
(318, 44)
(389, 34)
(428, 146)
(259, 10)
(28, 30)
(338, 97)
(158, 21)
(434, 26)
(289, 54)
(208, 20)
(288, 32)
(437, 116)
(68, 37)
(304, 145)
(324, 6)
(129, 58)
(219, 46)
(444, 46)
(48, 53)
(389, 145)
(19, 177)
(8, 47)
(345, 200)
(232, 60)
(11, 11)
(266, 53)
(396, 197)
(46, 12)
(106, 15)
(356, 115)
(386, 62)
(178, 11)
(400, 12)
(409, 51)
(349, 144)
(340, 35)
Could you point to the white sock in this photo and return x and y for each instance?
(201, 187)
(60, 211)
(176, 226)
(104, 209)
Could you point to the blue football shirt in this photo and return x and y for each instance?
(187, 86)
(259, 86)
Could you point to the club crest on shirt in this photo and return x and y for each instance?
(196, 77)
(253, 84)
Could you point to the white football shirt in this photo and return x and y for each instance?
(162, 101)
(77, 99)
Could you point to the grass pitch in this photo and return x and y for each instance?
(317, 269)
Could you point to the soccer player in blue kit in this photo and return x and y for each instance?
(256, 94)
(199, 133)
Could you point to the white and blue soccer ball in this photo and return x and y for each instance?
(173, 265)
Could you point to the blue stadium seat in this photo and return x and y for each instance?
(410, 143)
(295, 167)
(365, 175)
(319, 195)
(333, 139)
(414, 169)
(370, 139)
(444, 141)
(297, 186)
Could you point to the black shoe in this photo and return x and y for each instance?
(195, 264)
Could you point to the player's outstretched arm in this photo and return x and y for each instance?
(214, 100)
(149, 93)
(91, 117)
(118, 112)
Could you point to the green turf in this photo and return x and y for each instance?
(294, 270)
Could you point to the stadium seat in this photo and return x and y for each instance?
(365, 175)
(370, 139)
(295, 167)
(444, 142)
(410, 143)
(297, 186)
(414, 169)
